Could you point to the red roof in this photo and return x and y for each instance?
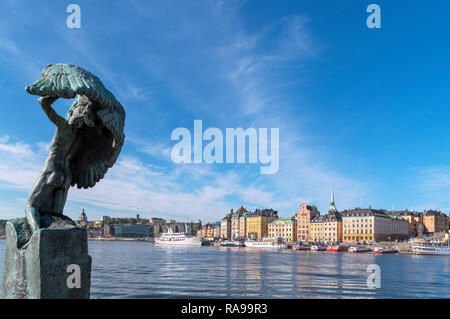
(241, 211)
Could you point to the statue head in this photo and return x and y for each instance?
(83, 112)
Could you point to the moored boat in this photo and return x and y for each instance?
(302, 247)
(358, 249)
(318, 248)
(432, 249)
(178, 239)
(337, 248)
(384, 250)
(232, 243)
(267, 242)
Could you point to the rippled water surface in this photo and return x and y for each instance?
(143, 270)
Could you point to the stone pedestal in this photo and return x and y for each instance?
(47, 263)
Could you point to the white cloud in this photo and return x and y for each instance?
(134, 186)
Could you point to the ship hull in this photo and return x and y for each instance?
(187, 242)
(268, 246)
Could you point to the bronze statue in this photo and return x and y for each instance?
(86, 143)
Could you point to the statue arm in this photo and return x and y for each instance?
(46, 104)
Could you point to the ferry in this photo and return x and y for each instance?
(267, 242)
(358, 249)
(337, 248)
(384, 250)
(432, 248)
(318, 248)
(231, 243)
(178, 239)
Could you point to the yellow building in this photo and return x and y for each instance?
(316, 229)
(225, 227)
(243, 225)
(285, 228)
(258, 221)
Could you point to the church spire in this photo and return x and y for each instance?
(332, 208)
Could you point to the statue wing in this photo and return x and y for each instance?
(99, 152)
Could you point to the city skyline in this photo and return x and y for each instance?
(351, 109)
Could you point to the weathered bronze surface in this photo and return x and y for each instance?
(87, 142)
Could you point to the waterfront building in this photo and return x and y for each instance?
(435, 222)
(128, 230)
(332, 225)
(243, 225)
(327, 228)
(235, 223)
(207, 231)
(286, 228)
(332, 228)
(304, 216)
(258, 221)
(225, 226)
(217, 230)
(369, 225)
(414, 220)
(316, 229)
(82, 220)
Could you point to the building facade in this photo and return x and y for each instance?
(225, 227)
(435, 222)
(286, 228)
(235, 223)
(372, 225)
(129, 231)
(304, 216)
(332, 228)
(243, 225)
(217, 230)
(257, 223)
(208, 231)
(327, 228)
(414, 219)
(316, 229)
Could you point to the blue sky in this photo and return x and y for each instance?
(363, 109)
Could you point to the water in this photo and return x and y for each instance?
(143, 270)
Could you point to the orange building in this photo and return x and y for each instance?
(208, 231)
(304, 216)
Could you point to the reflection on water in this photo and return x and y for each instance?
(143, 270)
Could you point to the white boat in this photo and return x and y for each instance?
(384, 250)
(178, 239)
(267, 242)
(432, 249)
(358, 249)
(232, 243)
(318, 247)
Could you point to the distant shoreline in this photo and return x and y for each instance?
(119, 239)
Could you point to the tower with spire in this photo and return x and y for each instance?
(332, 208)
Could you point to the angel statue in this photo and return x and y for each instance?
(86, 143)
